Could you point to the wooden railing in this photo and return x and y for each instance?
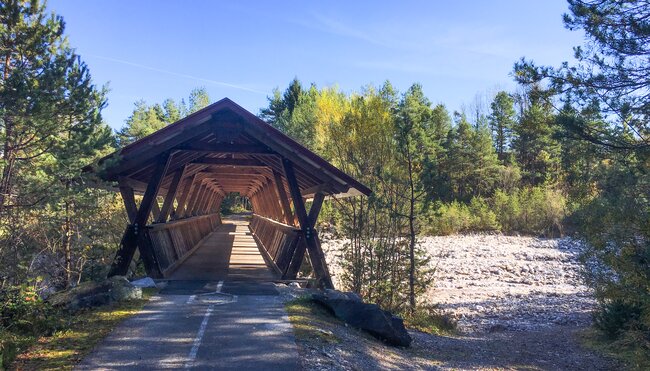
(278, 241)
(174, 241)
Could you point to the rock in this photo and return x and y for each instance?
(94, 294)
(368, 317)
(497, 328)
(121, 289)
(146, 282)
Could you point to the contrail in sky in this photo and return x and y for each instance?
(215, 82)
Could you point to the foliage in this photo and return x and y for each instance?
(147, 119)
(430, 319)
(607, 104)
(68, 337)
(616, 317)
(233, 204)
(502, 120)
(50, 127)
(310, 321)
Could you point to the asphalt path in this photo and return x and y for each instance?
(219, 312)
(204, 331)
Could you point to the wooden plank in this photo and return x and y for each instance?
(171, 195)
(199, 199)
(216, 148)
(229, 162)
(316, 255)
(196, 187)
(284, 200)
(184, 194)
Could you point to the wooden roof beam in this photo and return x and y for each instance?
(229, 162)
(225, 148)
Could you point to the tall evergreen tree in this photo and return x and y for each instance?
(199, 98)
(41, 77)
(51, 127)
(535, 148)
(414, 131)
(502, 119)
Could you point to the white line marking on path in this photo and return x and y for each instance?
(199, 338)
(199, 335)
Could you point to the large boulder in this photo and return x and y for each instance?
(94, 294)
(121, 289)
(369, 317)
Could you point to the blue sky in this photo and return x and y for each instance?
(154, 50)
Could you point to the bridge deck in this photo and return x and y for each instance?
(230, 253)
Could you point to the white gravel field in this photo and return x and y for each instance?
(494, 283)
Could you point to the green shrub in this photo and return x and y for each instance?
(24, 316)
(537, 210)
(429, 319)
(446, 219)
(457, 217)
(22, 310)
(508, 209)
(483, 218)
(617, 317)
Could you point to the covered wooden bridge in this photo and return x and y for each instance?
(185, 170)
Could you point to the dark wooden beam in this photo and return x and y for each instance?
(129, 202)
(155, 210)
(135, 235)
(284, 200)
(171, 195)
(316, 205)
(137, 186)
(229, 162)
(225, 148)
(316, 255)
(184, 194)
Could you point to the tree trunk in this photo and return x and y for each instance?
(412, 235)
(67, 244)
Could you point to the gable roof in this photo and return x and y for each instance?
(232, 147)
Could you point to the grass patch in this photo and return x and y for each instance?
(310, 321)
(78, 334)
(633, 348)
(430, 320)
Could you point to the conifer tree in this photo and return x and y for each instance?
(502, 119)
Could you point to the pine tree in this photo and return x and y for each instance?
(502, 119)
(414, 130)
(199, 98)
(51, 128)
(35, 94)
(536, 150)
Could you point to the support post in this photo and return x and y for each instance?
(135, 235)
(129, 202)
(284, 200)
(171, 195)
(316, 255)
(182, 199)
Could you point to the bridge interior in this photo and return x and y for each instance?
(230, 253)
